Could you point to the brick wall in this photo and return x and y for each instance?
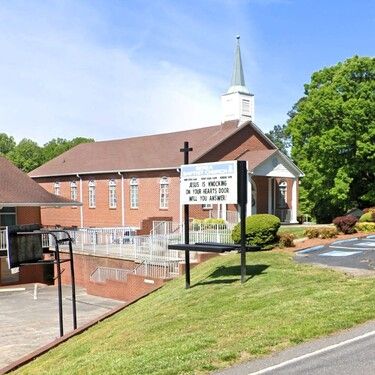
(149, 191)
(135, 287)
(28, 215)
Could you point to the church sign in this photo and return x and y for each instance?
(209, 183)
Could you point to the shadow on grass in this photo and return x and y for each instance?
(220, 275)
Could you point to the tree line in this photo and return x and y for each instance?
(28, 155)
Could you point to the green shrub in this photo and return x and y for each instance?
(368, 217)
(312, 232)
(365, 227)
(286, 239)
(261, 230)
(328, 232)
(209, 223)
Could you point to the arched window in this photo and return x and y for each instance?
(134, 193)
(283, 194)
(56, 188)
(73, 191)
(92, 194)
(164, 192)
(112, 199)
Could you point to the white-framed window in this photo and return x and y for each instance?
(73, 191)
(92, 194)
(283, 194)
(245, 106)
(164, 192)
(207, 206)
(112, 198)
(56, 188)
(134, 192)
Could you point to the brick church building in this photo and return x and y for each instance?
(125, 181)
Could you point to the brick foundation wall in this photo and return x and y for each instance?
(135, 287)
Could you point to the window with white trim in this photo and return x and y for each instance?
(134, 192)
(164, 192)
(282, 194)
(56, 188)
(73, 191)
(112, 198)
(92, 194)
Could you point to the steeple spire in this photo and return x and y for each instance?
(237, 103)
(238, 80)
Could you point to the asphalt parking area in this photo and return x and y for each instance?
(356, 253)
(29, 320)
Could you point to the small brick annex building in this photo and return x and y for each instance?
(127, 181)
(20, 202)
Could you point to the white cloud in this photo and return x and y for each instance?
(55, 81)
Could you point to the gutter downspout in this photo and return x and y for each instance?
(122, 200)
(81, 199)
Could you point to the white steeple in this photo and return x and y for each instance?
(237, 103)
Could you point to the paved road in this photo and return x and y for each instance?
(356, 254)
(351, 352)
(26, 323)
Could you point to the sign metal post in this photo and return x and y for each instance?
(213, 183)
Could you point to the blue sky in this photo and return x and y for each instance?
(114, 69)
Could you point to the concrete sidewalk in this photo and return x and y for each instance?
(26, 323)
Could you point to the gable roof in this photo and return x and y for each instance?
(153, 152)
(18, 189)
(159, 151)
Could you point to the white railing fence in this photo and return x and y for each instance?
(102, 274)
(3, 239)
(164, 227)
(283, 214)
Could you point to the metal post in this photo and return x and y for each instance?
(242, 200)
(186, 151)
(59, 288)
(74, 306)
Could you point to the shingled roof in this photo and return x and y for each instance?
(153, 152)
(159, 151)
(18, 189)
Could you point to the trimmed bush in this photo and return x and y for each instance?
(368, 217)
(261, 230)
(286, 239)
(209, 223)
(345, 224)
(365, 227)
(369, 209)
(311, 232)
(328, 233)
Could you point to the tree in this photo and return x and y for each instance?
(57, 146)
(27, 155)
(7, 143)
(333, 138)
(280, 138)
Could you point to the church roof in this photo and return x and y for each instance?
(152, 152)
(18, 189)
(238, 80)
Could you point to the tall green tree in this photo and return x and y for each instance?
(57, 146)
(27, 155)
(280, 137)
(7, 143)
(333, 138)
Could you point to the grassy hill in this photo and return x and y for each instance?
(218, 321)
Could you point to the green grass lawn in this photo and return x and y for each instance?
(218, 321)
